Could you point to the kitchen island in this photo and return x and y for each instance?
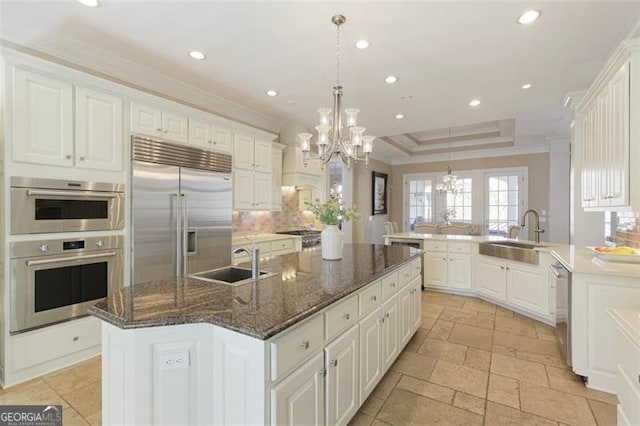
(190, 351)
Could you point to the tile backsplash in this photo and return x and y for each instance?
(628, 230)
(265, 222)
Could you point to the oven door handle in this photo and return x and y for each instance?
(70, 193)
(66, 259)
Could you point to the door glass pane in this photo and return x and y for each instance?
(420, 201)
(503, 194)
(460, 203)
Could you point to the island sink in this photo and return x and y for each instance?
(511, 250)
(228, 275)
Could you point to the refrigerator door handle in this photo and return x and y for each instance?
(185, 233)
(178, 260)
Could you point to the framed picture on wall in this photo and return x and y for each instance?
(379, 193)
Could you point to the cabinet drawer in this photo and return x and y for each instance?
(369, 298)
(459, 247)
(59, 340)
(295, 346)
(341, 317)
(431, 245)
(282, 245)
(416, 268)
(405, 275)
(390, 285)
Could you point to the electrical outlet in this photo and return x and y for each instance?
(174, 360)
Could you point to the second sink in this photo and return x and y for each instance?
(228, 275)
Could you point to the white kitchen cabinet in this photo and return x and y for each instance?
(276, 179)
(627, 351)
(99, 130)
(250, 153)
(415, 295)
(370, 353)
(204, 134)
(491, 277)
(42, 122)
(593, 333)
(610, 137)
(154, 121)
(448, 265)
(299, 399)
(252, 157)
(343, 377)
(405, 317)
(389, 332)
(262, 191)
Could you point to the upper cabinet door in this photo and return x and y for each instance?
(146, 120)
(42, 123)
(200, 133)
(99, 130)
(222, 139)
(243, 152)
(619, 155)
(175, 127)
(262, 155)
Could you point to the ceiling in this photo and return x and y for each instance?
(444, 53)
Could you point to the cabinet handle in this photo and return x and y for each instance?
(159, 130)
(76, 338)
(346, 317)
(386, 315)
(374, 298)
(304, 345)
(68, 157)
(334, 363)
(82, 158)
(382, 320)
(508, 268)
(322, 372)
(393, 285)
(502, 267)
(451, 259)
(444, 258)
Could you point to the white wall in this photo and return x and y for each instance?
(559, 188)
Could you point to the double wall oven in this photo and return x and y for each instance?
(57, 278)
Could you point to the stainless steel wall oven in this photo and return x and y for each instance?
(58, 280)
(51, 205)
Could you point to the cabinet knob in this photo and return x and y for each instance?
(334, 363)
(165, 131)
(82, 158)
(322, 372)
(502, 267)
(43, 248)
(304, 345)
(215, 142)
(99, 243)
(382, 320)
(374, 298)
(444, 258)
(346, 317)
(76, 338)
(159, 130)
(507, 268)
(386, 315)
(68, 156)
(393, 285)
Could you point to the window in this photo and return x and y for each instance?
(503, 202)
(460, 203)
(420, 203)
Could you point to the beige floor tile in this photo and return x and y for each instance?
(473, 337)
(479, 306)
(519, 369)
(75, 377)
(504, 390)
(545, 332)
(552, 360)
(443, 350)
(516, 325)
(552, 404)
(443, 299)
(386, 385)
(564, 380)
(405, 408)
(361, 420)
(431, 310)
(417, 340)
(469, 403)
(86, 400)
(441, 330)
(477, 358)
(71, 417)
(430, 390)
(414, 364)
(33, 392)
(467, 317)
(526, 344)
(378, 422)
(461, 378)
(427, 322)
(605, 414)
(95, 419)
(499, 415)
(500, 311)
(498, 349)
(371, 406)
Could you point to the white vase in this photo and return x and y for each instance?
(332, 242)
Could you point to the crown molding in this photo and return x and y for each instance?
(488, 153)
(80, 56)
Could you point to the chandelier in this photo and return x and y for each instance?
(449, 182)
(352, 147)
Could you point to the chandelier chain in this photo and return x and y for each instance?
(337, 55)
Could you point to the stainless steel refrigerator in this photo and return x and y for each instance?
(181, 209)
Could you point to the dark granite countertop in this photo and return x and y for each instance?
(303, 283)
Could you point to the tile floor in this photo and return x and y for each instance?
(471, 363)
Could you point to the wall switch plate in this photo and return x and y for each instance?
(174, 360)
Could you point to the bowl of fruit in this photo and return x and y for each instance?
(617, 254)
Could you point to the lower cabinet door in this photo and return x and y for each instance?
(436, 269)
(370, 353)
(299, 399)
(416, 305)
(389, 332)
(491, 278)
(405, 318)
(343, 384)
(460, 271)
(528, 287)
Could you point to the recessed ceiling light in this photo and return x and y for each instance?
(526, 86)
(399, 116)
(404, 98)
(271, 93)
(91, 3)
(529, 16)
(474, 103)
(195, 54)
(390, 79)
(291, 102)
(362, 44)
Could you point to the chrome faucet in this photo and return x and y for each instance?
(254, 258)
(536, 216)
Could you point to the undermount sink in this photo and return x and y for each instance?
(511, 250)
(231, 275)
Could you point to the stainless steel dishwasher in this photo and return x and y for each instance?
(562, 278)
